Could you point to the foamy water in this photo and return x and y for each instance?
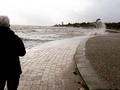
(34, 35)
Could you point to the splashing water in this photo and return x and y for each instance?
(100, 28)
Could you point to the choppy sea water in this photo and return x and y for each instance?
(34, 35)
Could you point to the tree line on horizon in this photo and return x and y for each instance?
(112, 25)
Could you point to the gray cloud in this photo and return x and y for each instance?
(107, 10)
(49, 12)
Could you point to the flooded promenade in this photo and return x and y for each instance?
(51, 66)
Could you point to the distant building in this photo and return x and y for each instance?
(62, 23)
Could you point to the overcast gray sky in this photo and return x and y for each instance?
(50, 12)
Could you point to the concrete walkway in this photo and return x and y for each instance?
(51, 66)
(89, 75)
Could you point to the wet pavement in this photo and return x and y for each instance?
(103, 52)
(89, 75)
(51, 66)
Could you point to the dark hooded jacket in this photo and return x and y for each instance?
(11, 47)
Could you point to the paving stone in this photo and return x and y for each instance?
(44, 65)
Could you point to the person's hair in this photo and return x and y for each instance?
(4, 21)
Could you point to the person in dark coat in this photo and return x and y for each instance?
(11, 47)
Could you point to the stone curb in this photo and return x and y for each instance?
(85, 69)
